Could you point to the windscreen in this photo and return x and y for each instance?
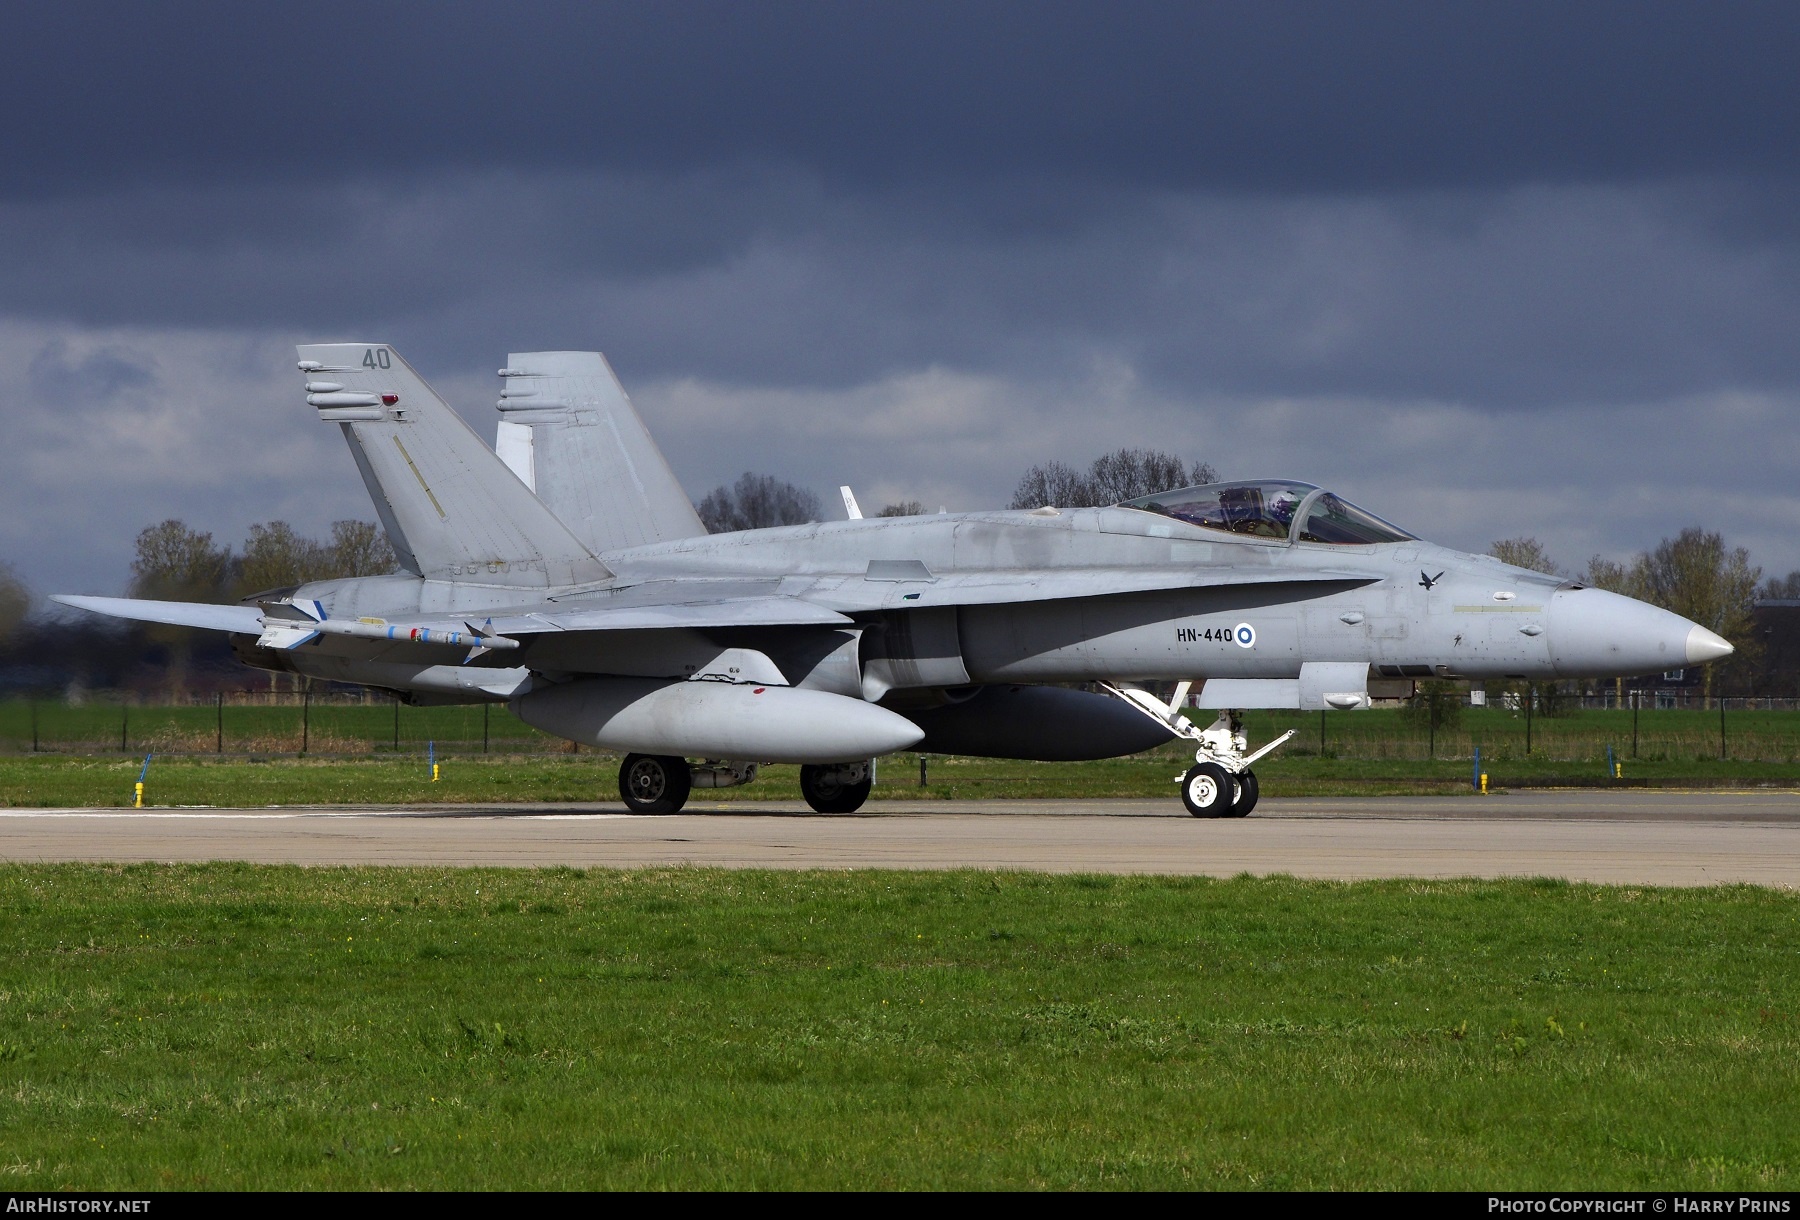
(1332, 519)
(1262, 509)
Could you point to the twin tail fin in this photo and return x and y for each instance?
(570, 433)
(451, 507)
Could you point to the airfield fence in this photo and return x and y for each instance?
(264, 724)
(241, 724)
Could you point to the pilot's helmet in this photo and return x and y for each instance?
(1282, 506)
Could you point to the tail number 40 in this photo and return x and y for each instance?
(377, 358)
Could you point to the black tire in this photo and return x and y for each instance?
(828, 794)
(654, 783)
(1207, 791)
(1247, 789)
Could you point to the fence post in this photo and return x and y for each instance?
(396, 724)
(1530, 698)
(220, 745)
(124, 724)
(1321, 732)
(1635, 701)
(34, 728)
(485, 709)
(924, 773)
(305, 719)
(1722, 754)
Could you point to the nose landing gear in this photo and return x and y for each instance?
(1220, 784)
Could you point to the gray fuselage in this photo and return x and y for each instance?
(1065, 596)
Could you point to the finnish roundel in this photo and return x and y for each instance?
(1245, 635)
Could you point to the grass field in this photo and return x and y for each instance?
(374, 729)
(230, 1026)
(490, 756)
(78, 781)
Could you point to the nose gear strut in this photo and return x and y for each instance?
(1220, 784)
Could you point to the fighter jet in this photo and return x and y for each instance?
(565, 573)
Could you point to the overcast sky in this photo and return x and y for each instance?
(1488, 270)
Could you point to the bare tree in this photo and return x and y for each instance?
(906, 508)
(1781, 588)
(360, 548)
(175, 563)
(1050, 483)
(1615, 577)
(757, 501)
(1525, 553)
(275, 556)
(1698, 577)
(15, 600)
(1122, 475)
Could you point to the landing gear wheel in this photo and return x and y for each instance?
(653, 783)
(829, 789)
(1246, 795)
(1207, 791)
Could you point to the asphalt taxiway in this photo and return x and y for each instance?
(1627, 837)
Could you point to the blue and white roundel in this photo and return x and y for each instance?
(1245, 635)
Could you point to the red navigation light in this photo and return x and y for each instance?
(390, 399)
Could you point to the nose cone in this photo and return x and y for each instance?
(1596, 634)
(1704, 646)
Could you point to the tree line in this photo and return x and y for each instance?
(1694, 574)
(174, 562)
(758, 501)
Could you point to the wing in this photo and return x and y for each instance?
(668, 605)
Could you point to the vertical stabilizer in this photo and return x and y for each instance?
(451, 507)
(568, 430)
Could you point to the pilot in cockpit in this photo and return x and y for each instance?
(1282, 508)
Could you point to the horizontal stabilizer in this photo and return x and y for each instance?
(244, 619)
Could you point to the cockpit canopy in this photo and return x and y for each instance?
(1272, 508)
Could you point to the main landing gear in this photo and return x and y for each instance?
(654, 783)
(837, 787)
(660, 783)
(1220, 784)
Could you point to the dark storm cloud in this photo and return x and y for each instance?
(1266, 96)
(1524, 298)
(1461, 256)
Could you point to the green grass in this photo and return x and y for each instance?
(351, 757)
(1378, 735)
(82, 781)
(1672, 734)
(232, 1026)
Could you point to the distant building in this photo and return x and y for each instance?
(1777, 624)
